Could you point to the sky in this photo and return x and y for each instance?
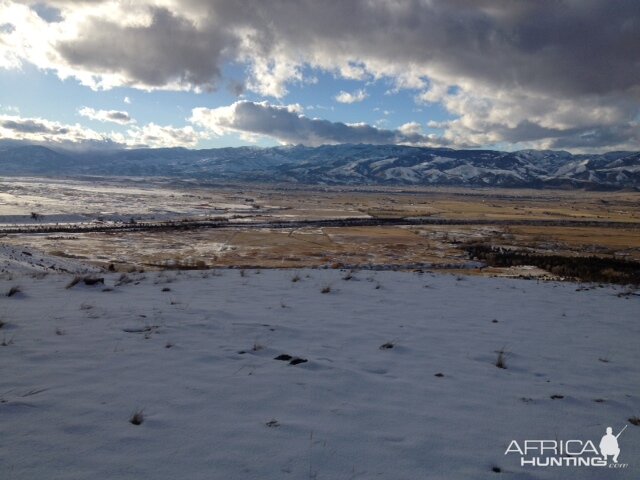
(545, 74)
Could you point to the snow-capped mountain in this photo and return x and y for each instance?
(340, 165)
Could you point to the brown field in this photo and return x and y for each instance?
(498, 204)
(439, 245)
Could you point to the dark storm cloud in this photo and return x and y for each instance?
(558, 55)
(593, 137)
(574, 47)
(289, 126)
(597, 138)
(170, 50)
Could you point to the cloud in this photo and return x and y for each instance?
(410, 128)
(509, 60)
(115, 116)
(12, 109)
(346, 97)
(288, 125)
(145, 44)
(43, 131)
(158, 136)
(127, 100)
(165, 42)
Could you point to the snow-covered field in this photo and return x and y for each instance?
(194, 351)
(108, 200)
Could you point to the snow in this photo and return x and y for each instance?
(405, 174)
(466, 172)
(106, 200)
(82, 360)
(383, 163)
(327, 164)
(26, 260)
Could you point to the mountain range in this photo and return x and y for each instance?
(347, 164)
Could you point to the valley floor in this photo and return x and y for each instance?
(195, 353)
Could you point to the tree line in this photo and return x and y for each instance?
(588, 269)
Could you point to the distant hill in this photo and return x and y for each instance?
(339, 165)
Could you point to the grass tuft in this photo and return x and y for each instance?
(87, 279)
(137, 418)
(13, 291)
(501, 361)
(74, 281)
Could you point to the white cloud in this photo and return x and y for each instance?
(127, 100)
(10, 109)
(158, 136)
(434, 94)
(115, 116)
(410, 128)
(43, 131)
(354, 97)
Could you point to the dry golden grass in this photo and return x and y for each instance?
(462, 203)
(583, 239)
(368, 245)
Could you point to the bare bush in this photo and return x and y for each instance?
(86, 279)
(123, 280)
(13, 291)
(137, 418)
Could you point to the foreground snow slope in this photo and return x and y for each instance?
(80, 361)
